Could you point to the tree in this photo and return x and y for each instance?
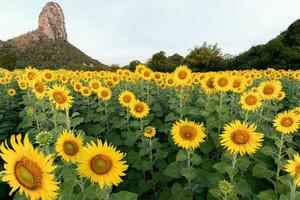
(158, 62)
(205, 58)
(174, 61)
(133, 64)
(8, 58)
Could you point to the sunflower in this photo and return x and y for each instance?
(188, 134)
(293, 168)
(11, 92)
(150, 132)
(241, 138)
(85, 91)
(287, 122)
(77, 85)
(94, 85)
(31, 73)
(207, 84)
(238, 84)
(60, 96)
(182, 75)
(126, 98)
(139, 109)
(28, 170)
(69, 146)
(269, 89)
(104, 93)
(280, 95)
(296, 110)
(250, 101)
(48, 75)
(223, 82)
(102, 163)
(39, 88)
(22, 84)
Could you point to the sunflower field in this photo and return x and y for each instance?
(125, 135)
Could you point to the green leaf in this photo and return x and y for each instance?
(243, 188)
(243, 163)
(267, 150)
(124, 195)
(171, 117)
(172, 170)
(260, 170)
(267, 195)
(196, 159)
(76, 121)
(189, 174)
(222, 167)
(181, 156)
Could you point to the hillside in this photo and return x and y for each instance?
(280, 52)
(45, 47)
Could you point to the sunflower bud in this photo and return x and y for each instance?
(43, 138)
(225, 187)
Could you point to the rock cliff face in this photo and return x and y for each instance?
(52, 22)
(51, 26)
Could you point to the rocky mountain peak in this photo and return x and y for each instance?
(52, 22)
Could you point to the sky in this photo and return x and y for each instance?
(119, 31)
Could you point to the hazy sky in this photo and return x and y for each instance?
(119, 31)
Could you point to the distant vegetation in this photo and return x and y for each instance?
(282, 52)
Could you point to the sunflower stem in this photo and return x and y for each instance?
(68, 121)
(246, 116)
(234, 160)
(54, 115)
(127, 119)
(181, 103)
(280, 148)
(293, 189)
(106, 113)
(151, 160)
(189, 154)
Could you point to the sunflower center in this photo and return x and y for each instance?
(222, 82)
(85, 91)
(182, 74)
(139, 108)
(170, 81)
(95, 85)
(268, 89)
(39, 87)
(48, 75)
(59, 97)
(127, 98)
(146, 73)
(187, 133)
(31, 75)
(251, 100)
(28, 174)
(70, 148)
(286, 121)
(240, 137)
(236, 83)
(101, 164)
(78, 87)
(210, 83)
(104, 93)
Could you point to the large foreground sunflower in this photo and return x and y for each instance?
(60, 96)
(139, 109)
(293, 168)
(69, 146)
(188, 134)
(102, 164)
(241, 138)
(287, 122)
(28, 170)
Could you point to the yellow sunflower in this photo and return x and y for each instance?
(104, 93)
(188, 134)
(22, 84)
(85, 91)
(293, 168)
(60, 96)
(241, 138)
(280, 95)
(94, 84)
(39, 88)
(31, 73)
(182, 75)
(11, 92)
(126, 98)
(287, 122)
(223, 82)
(150, 132)
(269, 89)
(139, 109)
(250, 101)
(69, 146)
(48, 75)
(102, 163)
(28, 170)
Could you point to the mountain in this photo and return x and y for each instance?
(47, 46)
(281, 52)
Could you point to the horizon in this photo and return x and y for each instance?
(103, 36)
